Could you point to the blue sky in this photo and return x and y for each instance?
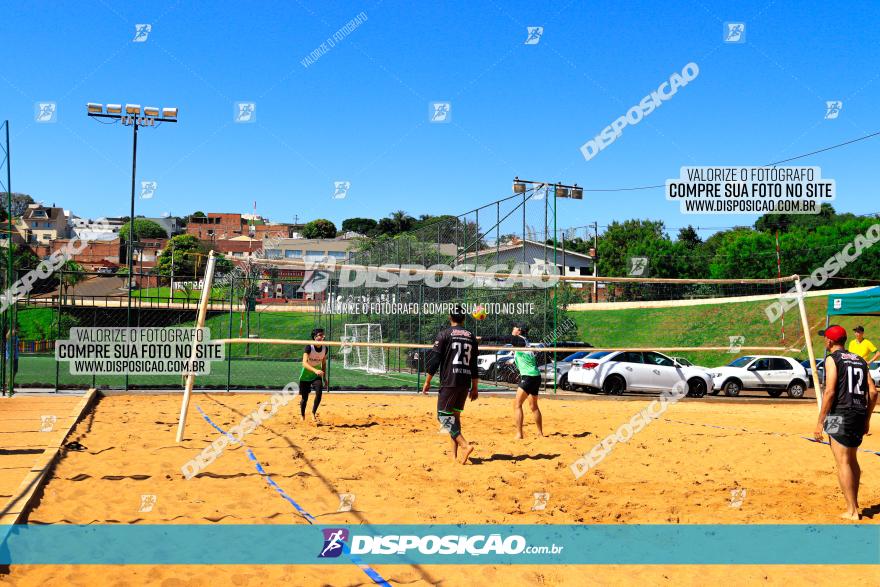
(360, 112)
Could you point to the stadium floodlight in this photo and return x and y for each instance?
(560, 190)
(133, 117)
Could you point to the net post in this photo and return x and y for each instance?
(203, 311)
(806, 326)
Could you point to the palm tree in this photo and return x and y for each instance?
(402, 221)
(71, 274)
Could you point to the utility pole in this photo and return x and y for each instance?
(595, 261)
(10, 334)
(171, 293)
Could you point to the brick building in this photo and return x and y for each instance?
(217, 226)
(102, 253)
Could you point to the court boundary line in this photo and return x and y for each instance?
(355, 559)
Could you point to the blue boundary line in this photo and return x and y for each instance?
(358, 561)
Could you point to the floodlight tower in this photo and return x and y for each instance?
(560, 190)
(135, 117)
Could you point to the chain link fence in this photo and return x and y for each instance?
(268, 302)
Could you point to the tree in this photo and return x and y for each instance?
(23, 259)
(363, 226)
(743, 254)
(620, 241)
(320, 228)
(20, 202)
(689, 237)
(143, 228)
(786, 222)
(222, 265)
(190, 258)
(71, 274)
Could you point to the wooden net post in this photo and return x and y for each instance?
(200, 323)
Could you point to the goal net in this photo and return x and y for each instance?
(367, 358)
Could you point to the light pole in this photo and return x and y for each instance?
(595, 255)
(559, 191)
(134, 117)
(171, 293)
(9, 335)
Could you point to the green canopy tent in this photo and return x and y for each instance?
(860, 303)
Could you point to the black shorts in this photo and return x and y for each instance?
(847, 428)
(305, 387)
(452, 399)
(530, 384)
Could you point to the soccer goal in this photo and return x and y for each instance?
(365, 358)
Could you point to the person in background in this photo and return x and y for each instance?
(862, 346)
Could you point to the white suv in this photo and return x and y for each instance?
(769, 373)
(615, 372)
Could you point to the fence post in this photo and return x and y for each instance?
(419, 340)
(229, 350)
(58, 330)
(523, 233)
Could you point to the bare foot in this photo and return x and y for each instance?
(519, 436)
(852, 516)
(316, 419)
(467, 453)
(303, 418)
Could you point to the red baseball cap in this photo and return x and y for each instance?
(834, 333)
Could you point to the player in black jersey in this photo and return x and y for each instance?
(847, 403)
(455, 355)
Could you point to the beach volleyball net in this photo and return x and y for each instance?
(380, 321)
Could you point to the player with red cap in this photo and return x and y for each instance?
(847, 404)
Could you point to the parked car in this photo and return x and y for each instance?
(486, 363)
(105, 271)
(768, 373)
(685, 363)
(820, 368)
(873, 369)
(616, 372)
(505, 370)
(561, 370)
(505, 367)
(548, 356)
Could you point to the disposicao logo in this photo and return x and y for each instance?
(334, 538)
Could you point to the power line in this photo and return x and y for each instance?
(843, 144)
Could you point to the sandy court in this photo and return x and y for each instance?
(388, 452)
(27, 425)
